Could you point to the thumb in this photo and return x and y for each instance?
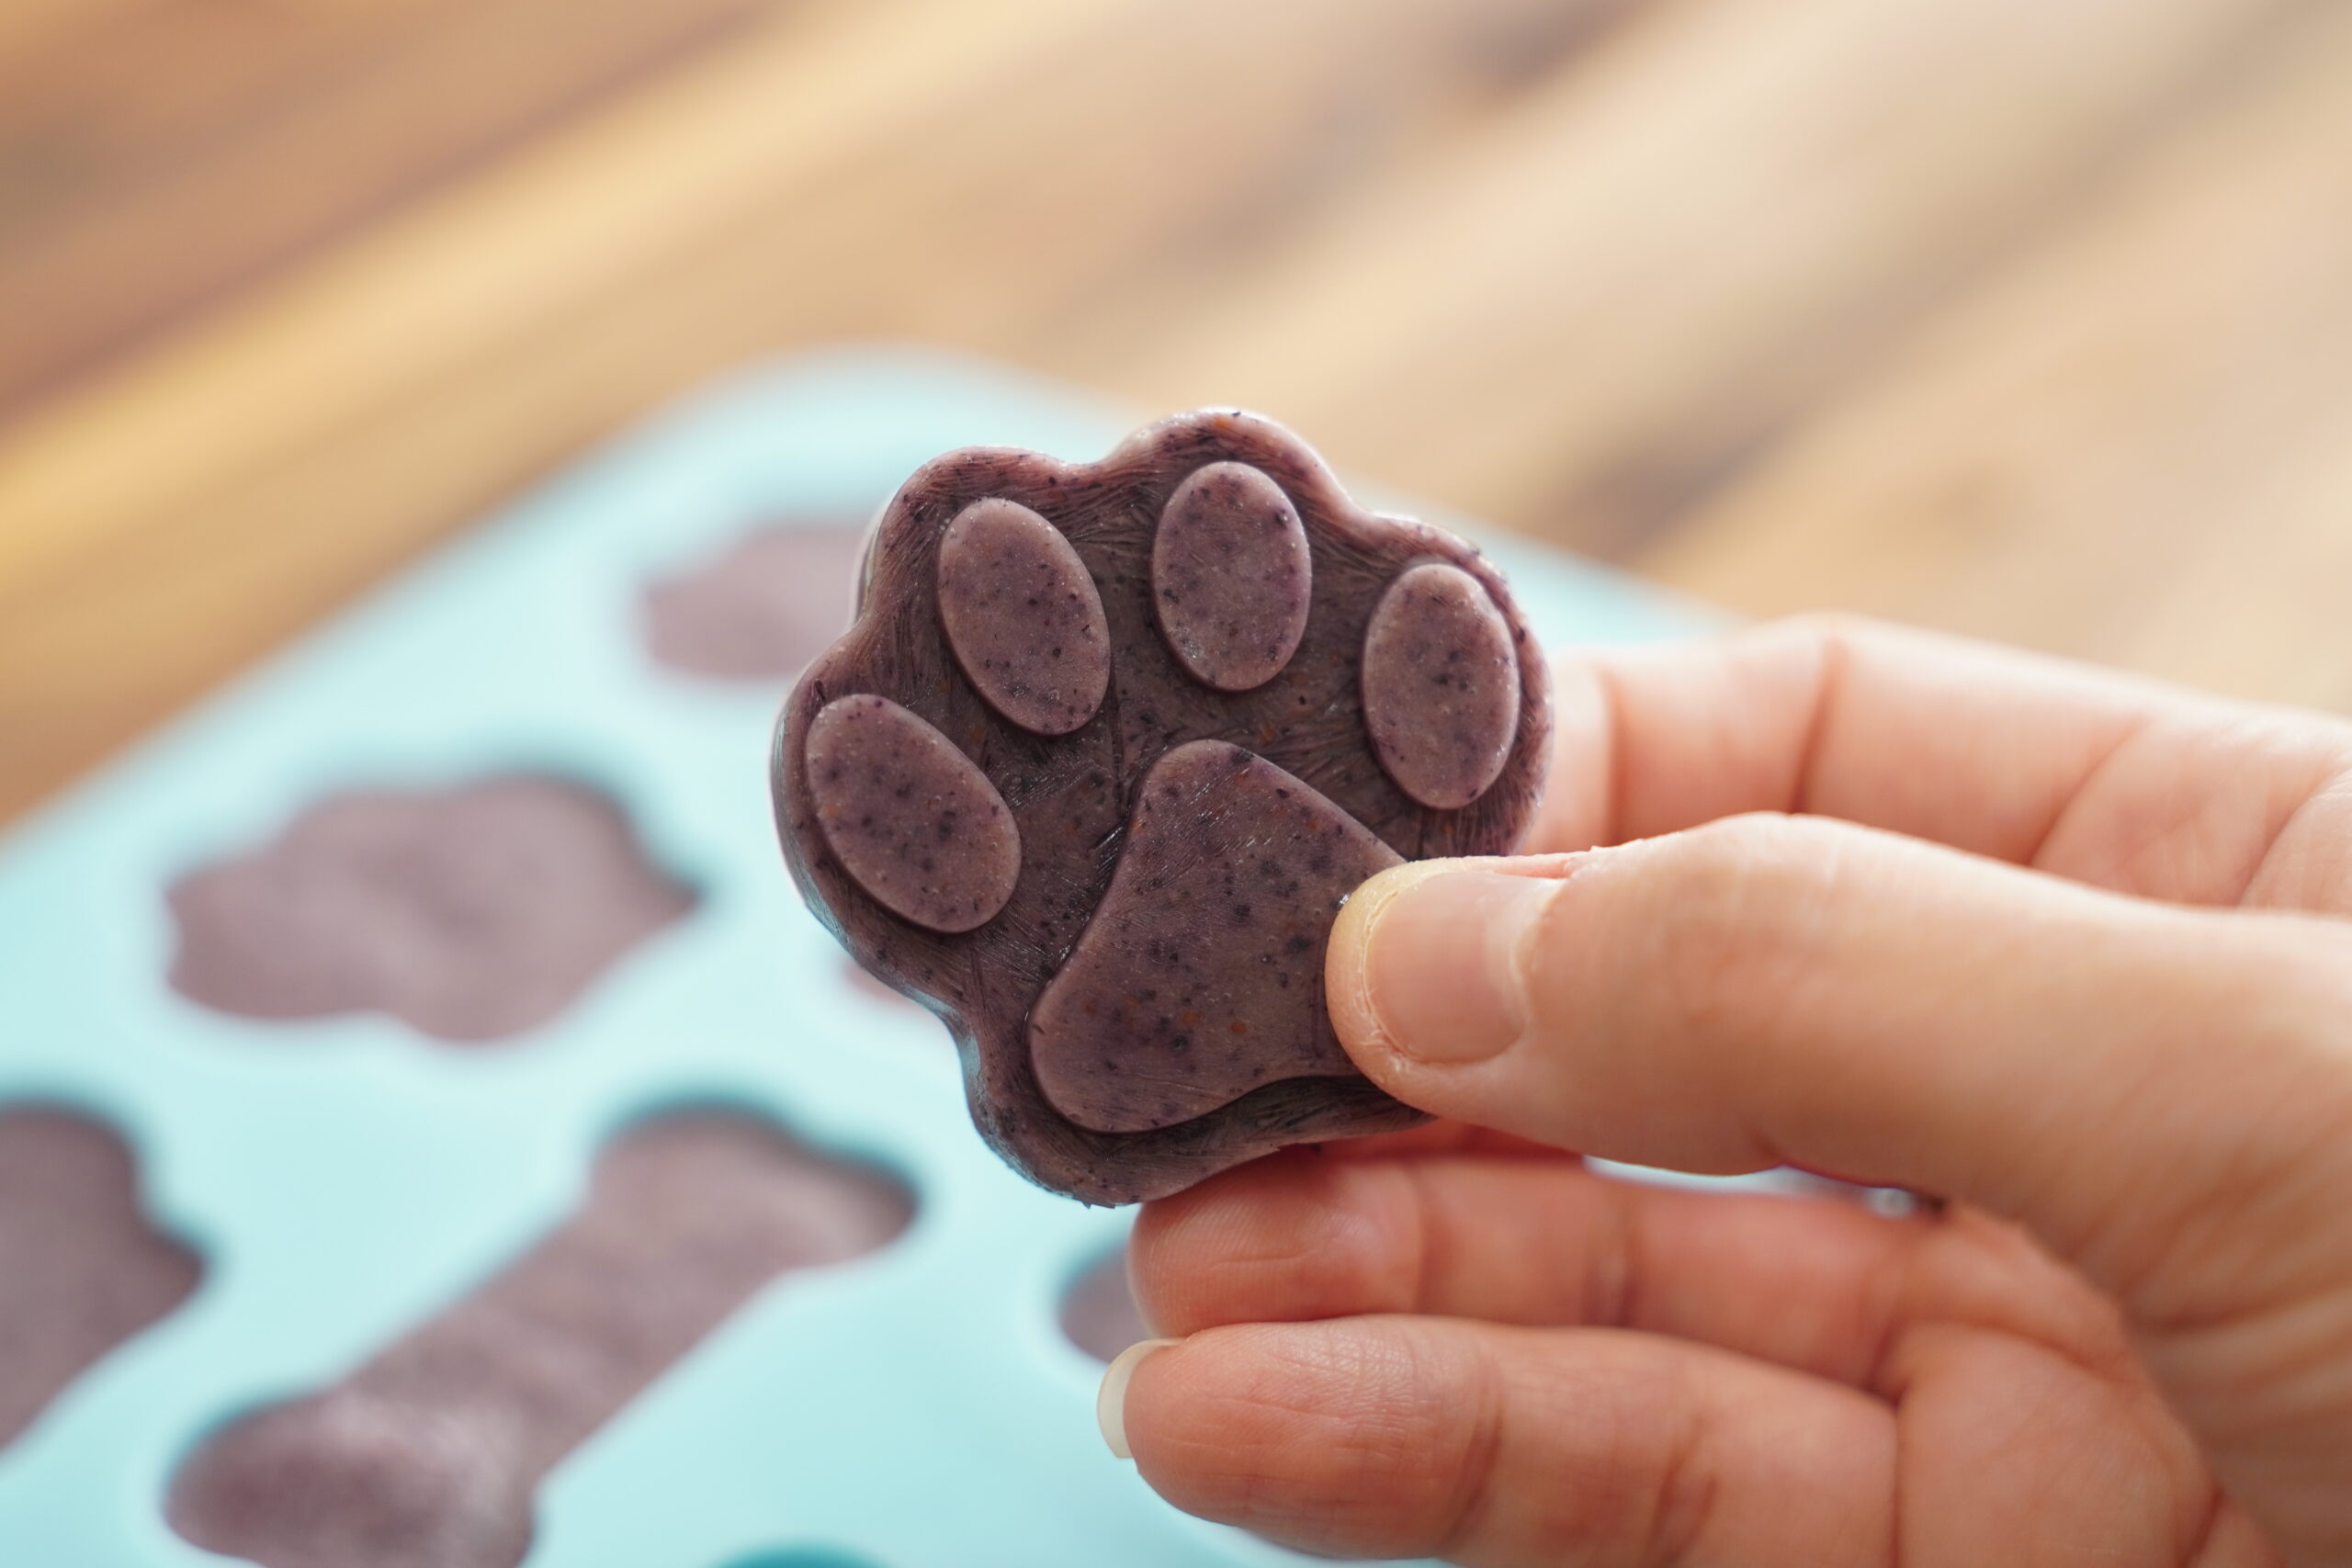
(2163, 1094)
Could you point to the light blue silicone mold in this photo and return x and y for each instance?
(343, 1178)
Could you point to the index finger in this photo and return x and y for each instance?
(2109, 779)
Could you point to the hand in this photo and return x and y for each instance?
(2066, 950)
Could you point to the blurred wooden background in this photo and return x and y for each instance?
(2029, 319)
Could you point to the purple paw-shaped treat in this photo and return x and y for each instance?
(1103, 754)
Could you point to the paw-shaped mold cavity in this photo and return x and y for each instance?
(1131, 953)
(429, 1453)
(1099, 1312)
(82, 1269)
(762, 609)
(470, 913)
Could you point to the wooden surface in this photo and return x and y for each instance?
(2023, 318)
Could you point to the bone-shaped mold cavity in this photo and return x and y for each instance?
(1099, 1312)
(82, 1269)
(470, 913)
(427, 1455)
(1135, 975)
(762, 609)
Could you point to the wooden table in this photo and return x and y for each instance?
(2027, 319)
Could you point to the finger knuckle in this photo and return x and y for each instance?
(1292, 1240)
(1412, 1459)
(1742, 900)
(1829, 626)
(1364, 1241)
(1632, 1486)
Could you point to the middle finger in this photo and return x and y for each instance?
(1818, 1284)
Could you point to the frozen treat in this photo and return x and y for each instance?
(1103, 752)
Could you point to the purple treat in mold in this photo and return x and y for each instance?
(1135, 854)
(763, 608)
(1099, 1312)
(426, 1454)
(81, 1267)
(472, 913)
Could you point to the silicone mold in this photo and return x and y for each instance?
(350, 1181)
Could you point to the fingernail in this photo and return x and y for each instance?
(1442, 968)
(1110, 1403)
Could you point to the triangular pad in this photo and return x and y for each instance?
(1201, 976)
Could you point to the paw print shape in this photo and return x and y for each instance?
(472, 913)
(1103, 752)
